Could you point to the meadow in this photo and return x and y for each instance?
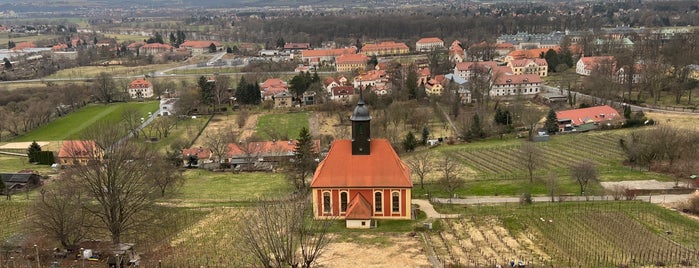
(281, 125)
(70, 126)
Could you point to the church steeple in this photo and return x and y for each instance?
(361, 132)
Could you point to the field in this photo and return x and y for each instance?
(210, 187)
(114, 70)
(587, 234)
(70, 126)
(282, 126)
(185, 130)
(494, 167)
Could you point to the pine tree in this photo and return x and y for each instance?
(206, 90)
(551, 124)
(304, 162)
(476, 130)
(34, 148)
(425, 135)
(410, 142)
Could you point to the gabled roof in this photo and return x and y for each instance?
(265, 148)
(329, 81)
(200, 44)
(328, 52)
(140, 83)
(429, 40)
(530, 53)
(381, 168)
(135, 45)
(525, 62)
(358, 208)
(78, 148)
(591, 114)
(343, 90)
(351, 58)
(372, 75)
(18, 177)
(592, 62)
(517, 79)
(157, 46)
(384, 45)
(297, 46)
(273, 82)
(201, 153)
(470, 65)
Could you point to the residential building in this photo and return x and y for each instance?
(351, 62)
(296, 47)
(201, 47)
(74, 152)
(283, 100)
(624, 72)
(433, 87)
(429, 44)
(262, 155)
(529, 66)
(586, 65)
(468, 69)
(456, 52)
(529, 53)
(140, 88)
(342, 94)
(192, 157)
(571, 119)
(524, 40)
(271, 87)
(154, 49)
(167, 106)
(372, 78)
(323, 57)
(385, 48)
(461, 87)
(361, 179)
(512, 85)
(329, 83)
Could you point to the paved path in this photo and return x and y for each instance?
(427, 207)
(475, 200)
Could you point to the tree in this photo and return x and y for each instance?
(583, 173)
(305, 159)
(282, 233)
(425, 135)
(118, 183)
(372, 62)
(8, 64)
(132, 119)
(530, 118)
(220, 90)
(531, 158)
(104, 87)
(165, 174)
(11, 44)
(217, 141)
(410, 142)
(421, 165)
(206, 89)
(59, 212)
(475, 131)
(299, 84)
(248, 93)
(451, 177)
(212, 48)
(411, 84)
(551, 124)
(280, 42)
(34, 148)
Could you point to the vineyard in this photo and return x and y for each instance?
(587, 234)
(13, 215)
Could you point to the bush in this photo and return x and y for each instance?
(525, 199)
(692, 205)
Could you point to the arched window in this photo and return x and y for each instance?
(378, 206)
(326, 202)
(343, 201)
(395, 202)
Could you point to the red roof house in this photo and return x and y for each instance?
(594, 115)
(75, 152)
(361, 179)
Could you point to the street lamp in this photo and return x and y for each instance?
(82, 257)
(38, 262)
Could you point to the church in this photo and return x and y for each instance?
(361, 179)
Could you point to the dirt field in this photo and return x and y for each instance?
(678, 120)
(393, 250)
(229, 122)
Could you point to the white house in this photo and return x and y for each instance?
(167, 106)
(140, 88)
(510, 85)
(428, 44)
(586, 65)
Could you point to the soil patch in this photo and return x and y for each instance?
(401, 251)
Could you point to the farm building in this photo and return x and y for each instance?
(571, 120)
(361, 179)
(18, 181)
(75, 152)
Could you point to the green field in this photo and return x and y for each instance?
(203, 186)
(16, 163)
(574, 234)
(185, 130)
(70, 126)
(282, 126)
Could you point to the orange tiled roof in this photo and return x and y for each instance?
(201, 153)
(592, 62)
(351, 58)
(383, 46)
(343, 90)
(504, 46)
(429, 40)
(517, 79)
(297, 46)
(371, 75)
(265, 148)
(200, 44)
(358, 208)
(140, 83)
(591, 114)
(23, 45)
(273, 82)
(77, 149)
(157, 45)
(381, 168)
(530, 53)
(59, 47)
(423, 72)
(329, 81)
(327, 52)
(524, 62)
(468, 65)
(134, 45)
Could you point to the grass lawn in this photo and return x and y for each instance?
(16, 163)
(286, 125)
(114, 70)
(206, 186)
(70, 126)
(211, 70)
(185, 129)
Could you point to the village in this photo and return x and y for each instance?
(564, 148)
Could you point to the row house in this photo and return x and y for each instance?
(510, 85)
(154, 49)
(523, 40)
(434, 86)
(271, 87)
(385, 48)
(586, 65)
(201, 47)
(456, 52)
(466, 70)
(140, 88)
(296, 47)
(429, 44)
(461, 87)
(322, 57)
(529, 53)
(351, 62)
(529, 66)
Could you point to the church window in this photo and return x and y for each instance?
(395, 202)
(378, 206)
(343, 201)
(326, 202)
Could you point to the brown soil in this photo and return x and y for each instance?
(402, 251)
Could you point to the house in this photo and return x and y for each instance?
(423, 74)
(201, 47)
(373, 78)
(571, 119)
(361, 179)
(385, 48)
(295, 47)
(322, 57)
(283, 100)
(351, 62)
(262, 155)
(433, 87)
(529, 66)
(522, 40)
(510, 85)
(429, 44)
(17, 181)
(456, 52)
(133, 46)
(468, 69)
(140, 88)
(167, 106)
(154, 49)
(502, 49)
(529, 53)
(74, 152)
(192, 157)
(623, 74)
(329, 83)
(586, 65)
(461, 87)
(308, 98)
(342, 94)
(271, 87)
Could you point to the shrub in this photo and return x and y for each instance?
(525, 199)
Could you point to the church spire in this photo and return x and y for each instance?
(361, 132)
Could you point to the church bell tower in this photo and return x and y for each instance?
(361, 128)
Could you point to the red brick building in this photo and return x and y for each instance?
(361, 179)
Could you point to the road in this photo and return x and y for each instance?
(477, 200)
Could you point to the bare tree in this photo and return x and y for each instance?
(217, 141)
(242, 118)
(59, 212)
(583, 173)
(166, 175)
(531, 157)
(163, 125)
(421, 166)
(220, 90)
(104, 87)
(530, 118)
(132, 120)
(451, 175)
(278, 229)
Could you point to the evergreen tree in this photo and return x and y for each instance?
(315, 78)
(34, 148)
(425, 135)
(94, 40)
(212, 48)
(206, 90)
(373, 61)
(552, 59)
(159, 38)
(411, 84)
(180, 38)
(304, 162)
(11, 44)
(229, 50)
(551, 124)
(476, 132)
(298, 84)
(280, 43)
(173, 39)
(503, 117)
(410, 142)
